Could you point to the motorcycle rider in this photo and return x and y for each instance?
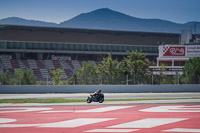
(97, 96)
(97, 93)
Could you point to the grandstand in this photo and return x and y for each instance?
(42, 49)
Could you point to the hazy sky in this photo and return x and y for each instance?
(179, 11)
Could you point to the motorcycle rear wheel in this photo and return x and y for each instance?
(89, 100)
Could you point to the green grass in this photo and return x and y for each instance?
(53, 100)
(62, 100)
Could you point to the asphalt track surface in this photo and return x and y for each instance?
(151, 116)
(107, 95)
(131, 118)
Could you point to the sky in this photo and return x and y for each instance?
(57, 11)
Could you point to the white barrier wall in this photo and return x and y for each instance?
(6, 89)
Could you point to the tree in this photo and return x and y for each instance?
(5, 78)
(109, 70)
(57, 76)
(28, 77)
(87, 74)
(191, 71)
(24, 77)
(18, 76)
(136, 66)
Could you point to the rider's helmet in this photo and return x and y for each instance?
(99, 90)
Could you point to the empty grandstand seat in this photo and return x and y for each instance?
(49, 64)
(15, 63)
(25, 62)
(40, 64)
(6, 63)
(32, 64)
(37, 73)
(56, 64)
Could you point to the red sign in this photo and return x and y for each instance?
(173, 51)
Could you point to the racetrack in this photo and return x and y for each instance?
(133, 118)
(155, 116)
(107, 95)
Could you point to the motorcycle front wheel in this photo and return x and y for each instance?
(101, 100)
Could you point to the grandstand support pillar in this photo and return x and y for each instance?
(18, 56)
(40, 56)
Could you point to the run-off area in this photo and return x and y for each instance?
(141, 118)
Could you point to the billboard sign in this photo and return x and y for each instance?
(179, 51)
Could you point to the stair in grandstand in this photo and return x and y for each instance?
(49, 64)
(21, 64)
(6, 63)
(76, 64)
(25, 62)
(65, 65)
(44, 73)
(32, 64)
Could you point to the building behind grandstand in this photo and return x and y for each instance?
(42, 49)
(172, 58)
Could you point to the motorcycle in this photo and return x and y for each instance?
(95, 98)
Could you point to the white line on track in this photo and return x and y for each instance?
(113, 130)
(63, 124)
(175, 108)
(76, 122)
(181, 130)
(148, 123)
(103, 109)
(6, 120)
(22, 109)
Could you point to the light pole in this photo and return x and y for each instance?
(74, 77)
(47, 80)
(126, 79)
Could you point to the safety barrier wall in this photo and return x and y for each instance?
(91, 88)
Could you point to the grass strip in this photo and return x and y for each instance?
(62, 100)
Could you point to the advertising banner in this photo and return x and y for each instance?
(179, 51)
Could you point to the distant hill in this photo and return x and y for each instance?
(107, 19)
(21, 21)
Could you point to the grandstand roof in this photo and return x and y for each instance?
(75, 35)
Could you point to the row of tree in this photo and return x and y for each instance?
(133, 69)
(20, 77)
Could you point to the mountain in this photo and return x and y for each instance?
(107, 19)
(112, 20)
(21, 21)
